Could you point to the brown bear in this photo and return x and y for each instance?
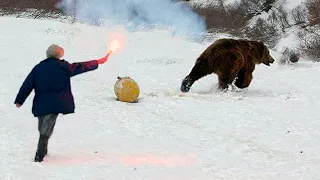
(230, 59)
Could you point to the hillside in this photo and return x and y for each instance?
(271, 21)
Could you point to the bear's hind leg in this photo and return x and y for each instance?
(244, 79)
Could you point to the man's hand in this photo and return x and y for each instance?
(103, 59)
(18, 105)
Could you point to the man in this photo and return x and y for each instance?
(50, 80)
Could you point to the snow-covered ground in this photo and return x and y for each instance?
(268, 131)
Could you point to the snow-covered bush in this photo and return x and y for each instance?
(289, 56)
(309, 42)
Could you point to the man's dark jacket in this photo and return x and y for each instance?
(50, 80)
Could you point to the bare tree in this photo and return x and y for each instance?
(264, 31)
(32, 9)
(309, 36)
(314, 11)
(300, 16)
(223, 18)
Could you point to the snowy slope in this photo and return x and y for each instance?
(268, 131)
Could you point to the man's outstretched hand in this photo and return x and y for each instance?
(18, 105)
(103, 59)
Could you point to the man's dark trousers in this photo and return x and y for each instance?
(45, 126)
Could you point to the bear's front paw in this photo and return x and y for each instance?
(223, 86)
(237, 83)
(241, 85)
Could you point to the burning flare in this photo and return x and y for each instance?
(113, 46)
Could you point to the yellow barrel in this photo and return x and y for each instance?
(126, 89)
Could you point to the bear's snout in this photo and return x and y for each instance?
(269, 61)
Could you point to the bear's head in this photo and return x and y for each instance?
(261, 53)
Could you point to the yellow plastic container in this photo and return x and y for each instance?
(126, 89)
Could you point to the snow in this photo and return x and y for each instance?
(268, 131)
(294, 3)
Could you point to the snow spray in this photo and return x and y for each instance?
(176, 17)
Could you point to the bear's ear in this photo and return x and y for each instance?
(251, 46)
(263, 48)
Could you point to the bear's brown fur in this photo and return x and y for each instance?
(229, 59)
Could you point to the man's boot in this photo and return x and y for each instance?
(41, 150)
